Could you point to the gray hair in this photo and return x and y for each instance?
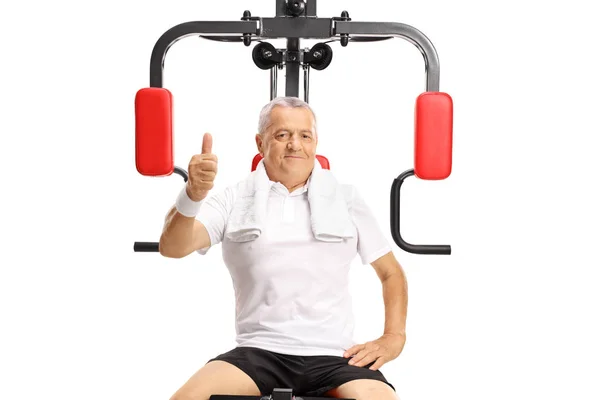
(264, 118)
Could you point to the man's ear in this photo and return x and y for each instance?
(259, 143)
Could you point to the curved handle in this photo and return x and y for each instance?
(395, 222)
(193, 28)
(182, 172)
(145, 247)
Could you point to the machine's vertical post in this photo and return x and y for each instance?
(306, 79)
(292, 67)
(311, 8)
(280, 8)
(290, 9)
(274, 82)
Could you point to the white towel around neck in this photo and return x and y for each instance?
(330, 220)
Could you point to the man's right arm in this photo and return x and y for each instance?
(182, 235)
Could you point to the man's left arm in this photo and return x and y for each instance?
(395, 298)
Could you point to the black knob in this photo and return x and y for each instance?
(295, 7)
(246, 37)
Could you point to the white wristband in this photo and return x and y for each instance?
(187, 206)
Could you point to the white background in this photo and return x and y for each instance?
(513, 313)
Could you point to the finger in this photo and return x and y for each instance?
(207, 176)
(207, 144)
(199, 167)
(349, 351)
(368, 359)
(359, 357)
(353, 350)
(201, 159)
(207, 165)
(378, 364)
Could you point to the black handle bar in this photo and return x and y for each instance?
(395, 222)
(152, 247)
(145, 247)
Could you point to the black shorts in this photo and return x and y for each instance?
(310, 376)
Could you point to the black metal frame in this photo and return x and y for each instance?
(395, 222)
(296, 20)
(293, 29)
(278, 394)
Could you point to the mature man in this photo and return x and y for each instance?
(289, 233)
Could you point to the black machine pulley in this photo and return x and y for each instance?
(320, 56)
(265, 55)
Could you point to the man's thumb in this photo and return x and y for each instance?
(207, 144)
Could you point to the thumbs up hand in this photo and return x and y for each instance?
(202, 171)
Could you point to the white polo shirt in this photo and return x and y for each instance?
(292, 292)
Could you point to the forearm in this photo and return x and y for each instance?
(395, 298)
(177, 238)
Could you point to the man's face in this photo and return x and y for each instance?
(289, 144)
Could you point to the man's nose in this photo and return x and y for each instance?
(294, 143)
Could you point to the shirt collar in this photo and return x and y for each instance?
(280, 188)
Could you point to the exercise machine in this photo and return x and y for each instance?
(295, 20)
